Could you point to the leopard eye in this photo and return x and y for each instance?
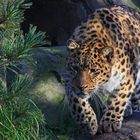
(94, 72)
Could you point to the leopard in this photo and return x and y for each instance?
(104, 52)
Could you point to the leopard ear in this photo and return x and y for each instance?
(72, 44)
(108, 53)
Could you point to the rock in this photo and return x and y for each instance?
(129, 131)
(49, 91)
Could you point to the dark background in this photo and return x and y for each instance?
(58, 18)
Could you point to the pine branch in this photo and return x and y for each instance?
(11, 15)
(17, 47)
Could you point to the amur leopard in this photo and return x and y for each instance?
(104, 52)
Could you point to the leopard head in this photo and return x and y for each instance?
(89, 65)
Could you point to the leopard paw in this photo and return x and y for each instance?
(109, 125)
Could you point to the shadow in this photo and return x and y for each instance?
(57, 18)
(49, 92)
(135, 117)
(136, 2)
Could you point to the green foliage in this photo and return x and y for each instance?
(11, 15)
(17, 47)
(20, 119)
(19, 116)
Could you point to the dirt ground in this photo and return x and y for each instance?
(129, 131)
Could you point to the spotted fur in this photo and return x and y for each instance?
(104, 52)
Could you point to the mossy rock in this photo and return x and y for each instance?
(49, 91)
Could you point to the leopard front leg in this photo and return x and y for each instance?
(83, 113)
(117, 103)
(80, 108)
